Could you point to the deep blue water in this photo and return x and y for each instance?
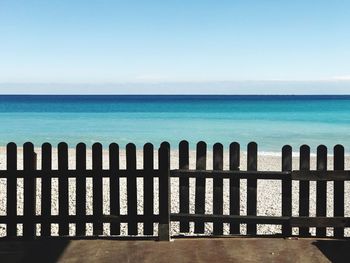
(272, 121)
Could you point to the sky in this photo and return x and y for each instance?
(233, 47)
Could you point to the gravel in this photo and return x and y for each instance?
(268, 200)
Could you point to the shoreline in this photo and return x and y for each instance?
(175, 147)
(266, 160)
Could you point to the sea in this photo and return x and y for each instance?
(271, 121)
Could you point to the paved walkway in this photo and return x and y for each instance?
(214, 250)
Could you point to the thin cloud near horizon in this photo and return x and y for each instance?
(267, 87)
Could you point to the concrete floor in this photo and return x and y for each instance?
(179, 250)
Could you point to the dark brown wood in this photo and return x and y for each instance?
(11, 204)
(286, 188)
(321, 221)
(201, 163)
(74, 218)
(148, 184)
(294, 221)
(338, 188)
(126, 218)
(167, 145)
(304, 188)
(263, 175)
(321, 189)
(229, 174)
(46, 165)
(321, 175)
(131, 188)
(97, 188)
(81, 189)
(218, 199)
(252, 164)
(184, 184)
(234, 186)
(230, 219)
(29, 166)
(164, 192)
(114, 185)
(63, 229)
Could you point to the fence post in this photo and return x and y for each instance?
(29, 166)
(12, 189)
(184, 184)
(321, 189)
(114, 185)
(80, 228)
(131, 188)
(97, 194)
(63, 207)
(218, 184)
(304, 188)
(338, 188)
(201, 164)
(234, 186)
(164, 192)
(46, 185)
(252, 164)
(287, 189)
(148, 185)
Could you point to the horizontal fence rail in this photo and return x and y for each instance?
(134, 201)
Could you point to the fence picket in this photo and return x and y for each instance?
(11, 205)
(304, 188)
(218, 199)
(164, 192)
(46, 160)
(184, 184)
(252, 162)
(148, 184)
(338, 188)
(29, 166)
(131, 188)
(97, 188)
(63, 229)
(81, 189)
(286, 188)
(234, 186)
(321, 190)
(201, 163)
(114, 187)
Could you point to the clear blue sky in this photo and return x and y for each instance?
(147, 42)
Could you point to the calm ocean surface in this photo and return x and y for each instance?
(271, 121)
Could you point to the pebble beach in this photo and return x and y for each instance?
(268, 197)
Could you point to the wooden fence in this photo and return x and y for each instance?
(31, 218)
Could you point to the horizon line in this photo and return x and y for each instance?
(341, 79)
(170, 94)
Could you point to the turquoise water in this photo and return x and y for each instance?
(271, 121)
